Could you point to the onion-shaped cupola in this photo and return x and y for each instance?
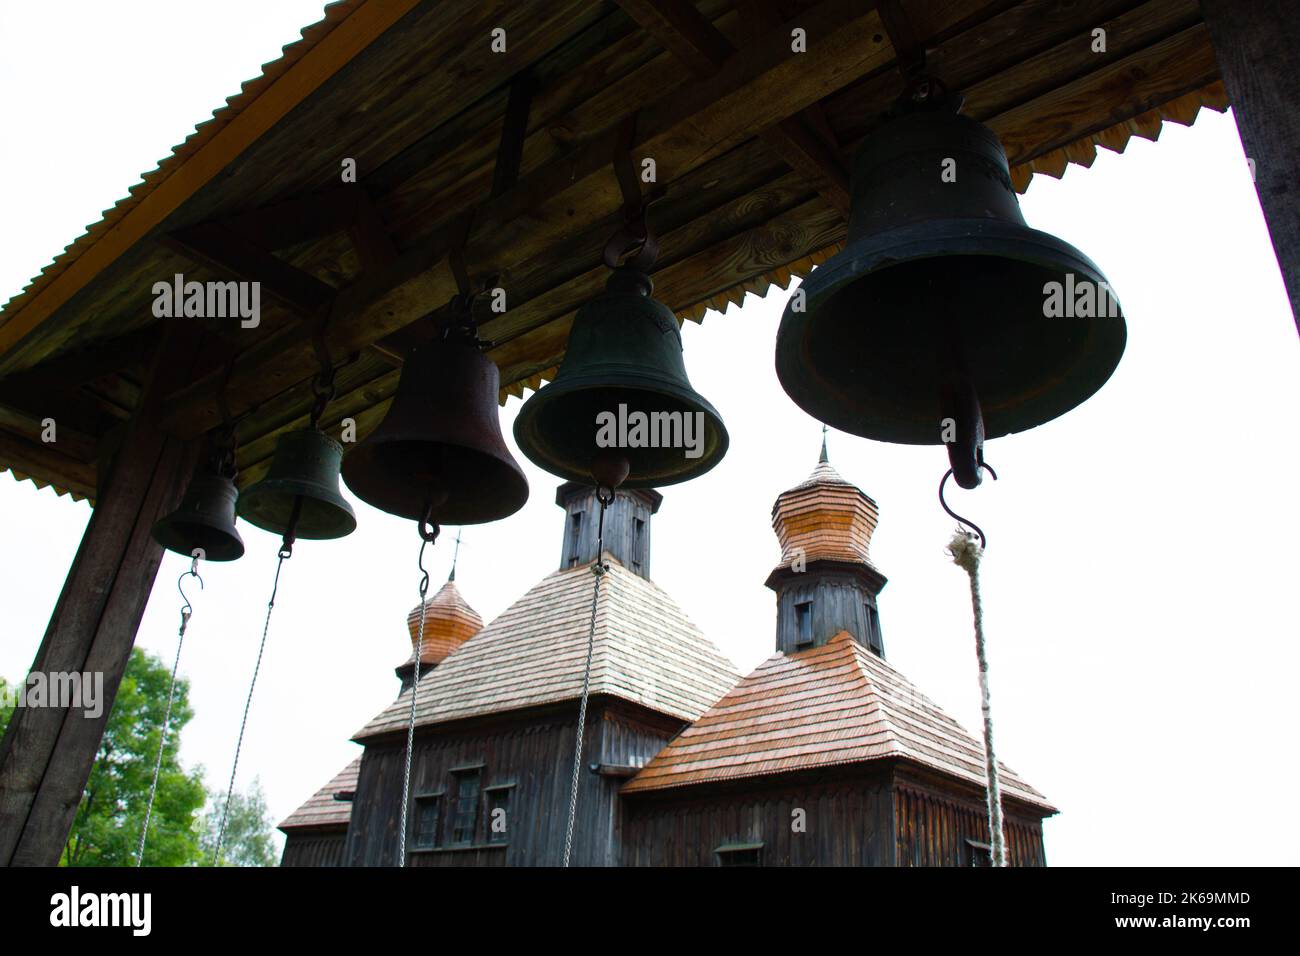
(449, 622)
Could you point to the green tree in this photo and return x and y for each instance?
(249, 839)
(7, 691)
(6, 708)
(106, 831)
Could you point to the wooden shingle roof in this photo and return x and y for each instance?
(824, 517)
(646, 651)
(449, 622)
(834, 704)
(321, 809)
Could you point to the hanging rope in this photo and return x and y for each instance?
(186, 611)
(286, 552)
(966, 553)
(598, 569)
(428, 535)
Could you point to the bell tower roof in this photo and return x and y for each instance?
(824, 517)
(825, 583)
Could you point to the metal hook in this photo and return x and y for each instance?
(188, 609)
(952, 514)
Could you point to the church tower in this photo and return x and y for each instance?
(825, 582)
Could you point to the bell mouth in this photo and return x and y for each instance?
(269, 505)
(869, 352)
(571, 426)
(182, 537)
(405, 476)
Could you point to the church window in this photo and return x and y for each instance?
(465, 821)
(428, 814)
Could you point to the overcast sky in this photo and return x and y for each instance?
(1140, 579)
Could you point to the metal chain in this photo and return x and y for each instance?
(286, 551)
(186, 611)
(598, 569)
(428, 534)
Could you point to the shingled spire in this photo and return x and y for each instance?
(448, 623)
(825, 582)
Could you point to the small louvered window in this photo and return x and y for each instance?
(874, 640)
(803, 618)
(575, 534)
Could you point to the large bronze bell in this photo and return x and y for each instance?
(204, 522)
(439, 452)
(623, 364)
(300, 493)
(938, 306)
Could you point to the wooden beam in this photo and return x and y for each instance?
(227, 253)
(756, 88)
(299, 219)
(684, 31)
(47, 752)
(514, 130)
(1258, 51)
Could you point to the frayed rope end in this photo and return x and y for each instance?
(964, 548)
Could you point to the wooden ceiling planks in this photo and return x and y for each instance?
(422, 108)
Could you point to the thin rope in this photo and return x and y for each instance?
(285, 552)
(598, 569)
(186, 612)
(415, 688)
(966, 554)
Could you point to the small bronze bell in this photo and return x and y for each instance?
(940, 304)
(621, 403)
(300, 493)
(204, 522)
(439, 452)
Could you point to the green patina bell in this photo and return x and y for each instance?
(621, 409)
(300, 492)
(941, 304)
(203, 525)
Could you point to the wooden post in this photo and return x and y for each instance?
(47, 752)
(1258, 48)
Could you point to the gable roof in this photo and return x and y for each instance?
(321, 809)
(646, 651)
(829, 705)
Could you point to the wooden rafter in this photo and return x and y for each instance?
(755, 88)
(227, 253)
(802, 140)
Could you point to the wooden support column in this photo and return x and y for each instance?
(47, 752)
(1257, 46)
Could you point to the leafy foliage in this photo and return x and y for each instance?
(248, 840)
(106, 830)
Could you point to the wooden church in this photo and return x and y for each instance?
(824, 755)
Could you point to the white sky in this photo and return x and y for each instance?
(1141, 566)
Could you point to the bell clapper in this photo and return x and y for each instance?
(609, 469)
